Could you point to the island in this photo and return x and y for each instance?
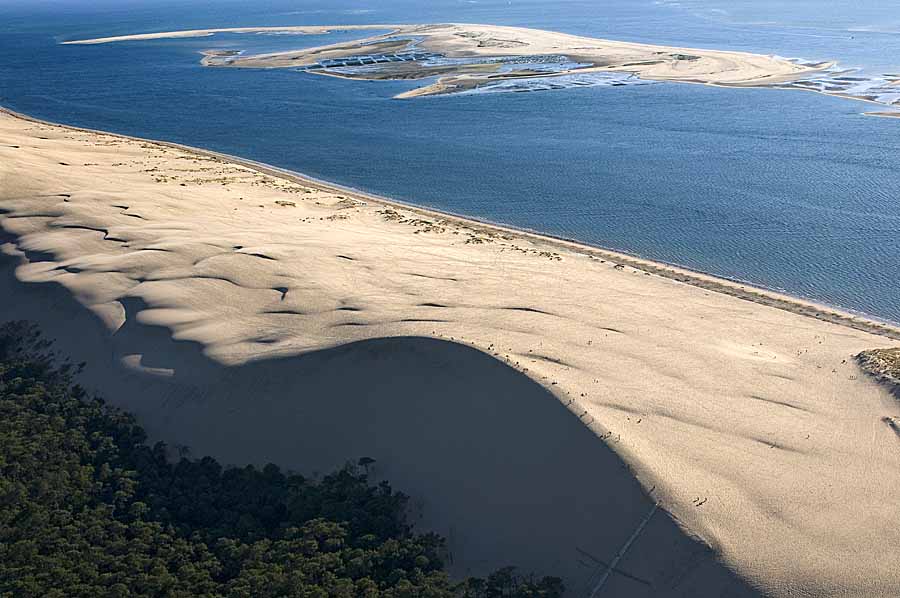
(468, 56)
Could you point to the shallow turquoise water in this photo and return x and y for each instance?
(786, 189)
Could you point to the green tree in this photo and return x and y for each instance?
(88, 509)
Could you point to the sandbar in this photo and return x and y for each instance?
(474, 41)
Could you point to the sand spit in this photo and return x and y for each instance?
(467, 56)
(297, 30)
(257, 317)
(884, 114)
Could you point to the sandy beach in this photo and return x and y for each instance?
(638, 429)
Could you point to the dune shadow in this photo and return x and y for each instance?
(492, 460)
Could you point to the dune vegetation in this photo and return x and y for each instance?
(88, 508)
(884, 364)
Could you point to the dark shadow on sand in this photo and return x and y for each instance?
(492, 460)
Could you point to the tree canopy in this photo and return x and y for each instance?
(89, 509)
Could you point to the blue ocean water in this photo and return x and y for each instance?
(786, 189)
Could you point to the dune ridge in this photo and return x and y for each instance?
(750, 426)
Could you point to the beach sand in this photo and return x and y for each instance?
(537, 398)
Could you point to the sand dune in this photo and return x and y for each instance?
(274, 319)
(482, 448)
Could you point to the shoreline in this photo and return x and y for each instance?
(747, 291)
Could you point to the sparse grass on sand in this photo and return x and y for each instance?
(884, 364)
